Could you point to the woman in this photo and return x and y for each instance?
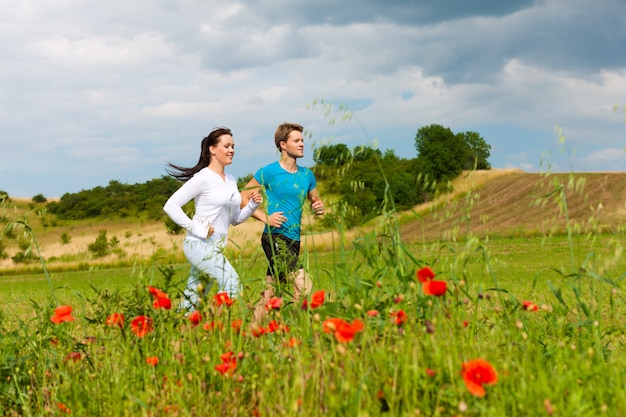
(217, 205)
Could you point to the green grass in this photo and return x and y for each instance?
(566, 358)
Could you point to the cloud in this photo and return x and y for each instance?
(96, 91)
(610, 159)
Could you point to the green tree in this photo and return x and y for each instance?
(477, 151)
(331, 155)
(39, 198)
(441, 153)
(370, 182)
(242, 181)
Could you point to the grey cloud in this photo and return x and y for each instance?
(406, 12)
(461, 44)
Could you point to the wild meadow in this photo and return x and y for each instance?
(469, 326)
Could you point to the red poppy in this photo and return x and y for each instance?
(73, 356)
(372, 313)
(274, 303)
(152, 360)
(115, 319)
(292, 342)
(61, 314)
(161, 300)
(347, 331)
(228, 365)
(157, 293)
(64, 408)
(236, 324)
(330, 325)
(436, 288)
(195, 318)
(529, 306)
(141, 326)
(222, 298)
(213, 325)
(257, 331)
(318, 298)
(222, 368)
(476, 373)
(344, 331)
(430, 372)
(272, 326)
(165, 303)
(425, 274)
(399, 317)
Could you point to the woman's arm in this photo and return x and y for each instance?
(254, 200)
(275, 219)
(174, 208)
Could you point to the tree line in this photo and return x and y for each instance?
(368, 181)
(361, 181)
(116, 200)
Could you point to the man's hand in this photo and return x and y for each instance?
(276, 219)
(318, 207)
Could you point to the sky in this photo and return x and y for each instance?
(92, 92)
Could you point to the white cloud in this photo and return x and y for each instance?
(131, 85)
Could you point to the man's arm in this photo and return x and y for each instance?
(274, 220)
(317, 205)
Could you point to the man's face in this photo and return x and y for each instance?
(294, 146)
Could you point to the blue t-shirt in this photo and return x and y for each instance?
(287, 192)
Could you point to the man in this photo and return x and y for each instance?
(287, 187)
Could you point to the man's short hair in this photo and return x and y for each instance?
(283, 131)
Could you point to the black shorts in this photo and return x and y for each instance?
(282, 253)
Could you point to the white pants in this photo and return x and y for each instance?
(205, 256)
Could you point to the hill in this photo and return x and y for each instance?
(512, 202)
(486, 203)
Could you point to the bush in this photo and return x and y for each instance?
(65, 238)
(101, 246)
(39, 198)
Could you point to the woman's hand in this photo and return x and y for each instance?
(256, 196)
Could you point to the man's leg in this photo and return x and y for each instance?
(266, 295)
(302, 285)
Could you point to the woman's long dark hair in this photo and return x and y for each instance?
(183, 173)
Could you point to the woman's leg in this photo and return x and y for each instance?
(193, 291)
(208, 258)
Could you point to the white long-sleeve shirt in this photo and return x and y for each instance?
(217, 204)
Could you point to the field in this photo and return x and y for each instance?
(502, 298)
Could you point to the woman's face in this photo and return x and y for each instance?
(224, 151)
